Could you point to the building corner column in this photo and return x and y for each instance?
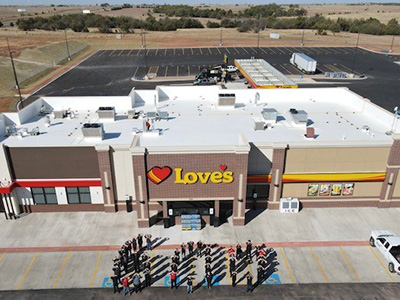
(141, 188)
(392, 171)
(107, 177)
(278, 167)
(239, 202)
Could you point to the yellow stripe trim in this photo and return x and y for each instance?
(2, 257)
(350, 265)
(318, 264)
(61, 270)
(285, 262)
(95, 269)
(335, 177)
(27, 271)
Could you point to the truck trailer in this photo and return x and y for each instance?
(304, 63)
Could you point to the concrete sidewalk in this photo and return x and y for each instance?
(102, 229)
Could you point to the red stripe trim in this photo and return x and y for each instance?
(50, 183)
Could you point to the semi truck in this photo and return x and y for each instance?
(304, 63)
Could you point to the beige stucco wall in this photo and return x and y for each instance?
(123, 166)
(331, 160)
(396, 192)
(361, 189)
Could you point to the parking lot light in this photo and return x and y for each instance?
(15, 74)
(391, 46)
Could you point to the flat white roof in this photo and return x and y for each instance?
(195, 119)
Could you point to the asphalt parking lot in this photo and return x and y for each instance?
(291, 265)
(109, 72)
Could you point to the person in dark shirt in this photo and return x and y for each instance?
(234, 274)
(189, 287)
(249, 278)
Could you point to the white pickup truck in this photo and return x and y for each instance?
(389, 245)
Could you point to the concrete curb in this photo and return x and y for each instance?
(174, 246)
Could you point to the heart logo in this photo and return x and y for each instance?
(223, 167)
(158, 175)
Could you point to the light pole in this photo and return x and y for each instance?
(302, 38)
(391, 46)
(15, 74)
(66, 42)
(355, 53)
(220, 37)
(258, 35)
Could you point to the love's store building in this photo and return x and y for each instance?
(163, 154)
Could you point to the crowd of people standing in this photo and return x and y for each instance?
(133, 264)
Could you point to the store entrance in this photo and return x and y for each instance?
(179, 208)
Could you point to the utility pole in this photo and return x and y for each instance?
(220, 37)
(145, 50)
(302, 38)
(258, 35)
(15, 75)
(391, 46)
(66, 42)
(355, 53)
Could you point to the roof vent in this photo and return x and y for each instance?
(299, 117)
(93, 130)
(226, 101)
(365, 128)
(106, 112)
(270, 115)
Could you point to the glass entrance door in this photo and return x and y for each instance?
(178, 208)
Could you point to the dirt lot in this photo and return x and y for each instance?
(381, 12)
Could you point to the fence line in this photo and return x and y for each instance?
(48, 65)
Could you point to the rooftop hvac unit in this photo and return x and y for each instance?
(270, 115)
(299, 117)
(93, 130)
(151, 114)
(226, 100)
(163, 115)
(59, 114)
(259, 124)
(106, 112)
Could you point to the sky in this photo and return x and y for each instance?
(92, 2)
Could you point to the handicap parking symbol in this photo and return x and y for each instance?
(273, 279)
(167, 281)
(107, 282)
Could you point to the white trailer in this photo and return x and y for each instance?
(304, 63)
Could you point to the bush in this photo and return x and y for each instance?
(1, 24)
(213, 24)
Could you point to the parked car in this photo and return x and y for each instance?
(389, 245)
(205, 81)
(231, 69)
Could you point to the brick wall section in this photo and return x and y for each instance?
(107, 184)
(278, 163)
(237, 163)
(142, 201)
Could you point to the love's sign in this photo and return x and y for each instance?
(158, 175)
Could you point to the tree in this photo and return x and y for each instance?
(11, 24)
(1, 24)
(213, 24)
